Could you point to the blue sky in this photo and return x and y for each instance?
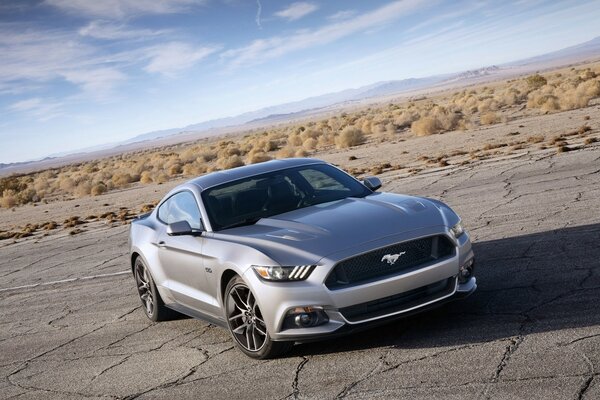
(79, 73)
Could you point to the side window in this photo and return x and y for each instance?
(180, 207)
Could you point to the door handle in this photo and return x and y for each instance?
(162, 244)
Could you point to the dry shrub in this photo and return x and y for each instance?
(207, 156)
(310, 144)
(405, 119)
(175, 169)
(264, 145)
(83, 189)
(536, 81)
(349, 137)
(535, 139)
(8, 201)
(255, 158)
(286, 152)
(489, 118)
(48, 226)
(327, 139)
(426, 126)
(121, 179)
(310, 134)
(194, 169)
(294, 140)
(230, 162)
(231, 150)
(98, 189)
(66, 184)
(300, 153)
(146, 177)
(160, 178)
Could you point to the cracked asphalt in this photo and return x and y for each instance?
(531, 331)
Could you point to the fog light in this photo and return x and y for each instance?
(465, 271)
(303, 320)
(304, 317)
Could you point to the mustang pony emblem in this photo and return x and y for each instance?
(392, 258)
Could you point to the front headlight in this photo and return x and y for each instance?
(278, 273)
(457, 230)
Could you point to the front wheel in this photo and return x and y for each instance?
(246, 323)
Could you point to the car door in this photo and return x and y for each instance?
(181, 256)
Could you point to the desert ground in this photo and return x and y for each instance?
(528, 190)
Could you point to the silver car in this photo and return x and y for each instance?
(296, 250)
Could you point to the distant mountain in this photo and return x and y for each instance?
(575, 53)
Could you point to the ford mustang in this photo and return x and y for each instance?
(296, 250)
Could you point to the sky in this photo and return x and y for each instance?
(81, 73)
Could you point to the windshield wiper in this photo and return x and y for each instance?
(244, 222)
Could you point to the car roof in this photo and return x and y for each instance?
(219, 177)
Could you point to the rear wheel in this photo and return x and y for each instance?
(246, 323)
(152, 303)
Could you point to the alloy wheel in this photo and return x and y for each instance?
(245, 319)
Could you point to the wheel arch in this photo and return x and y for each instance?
(134, 256)
(226, 276)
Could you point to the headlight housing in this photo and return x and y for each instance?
(283, 274)
(457, 230)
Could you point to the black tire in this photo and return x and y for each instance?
(246, 323)
(152, 303)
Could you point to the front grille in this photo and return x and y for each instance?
(398, 302)
(389, 261)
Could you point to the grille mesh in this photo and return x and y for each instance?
(388, 261)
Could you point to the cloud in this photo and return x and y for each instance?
(340, 15)
(117, 9)
(296, 11)
(258, 12)
(37, 107)
(171, 58)
(98, 82)
(261, 50)
(110, 31)
(38, 55)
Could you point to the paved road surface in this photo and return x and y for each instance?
(531, 331)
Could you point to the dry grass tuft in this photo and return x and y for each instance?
(489, 118)
(426, 126)
(536, 139)
(349, 137)
(232, 161)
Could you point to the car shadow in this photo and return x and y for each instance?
(539, 282)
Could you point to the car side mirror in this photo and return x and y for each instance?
(181, 228)
(372, 182)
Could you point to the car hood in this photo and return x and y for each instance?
(307, 235)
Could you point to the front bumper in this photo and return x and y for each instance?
(463, 291)
(276, 299)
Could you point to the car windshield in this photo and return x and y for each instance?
(247, 200)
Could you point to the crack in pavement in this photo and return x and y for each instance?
(295, 389)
